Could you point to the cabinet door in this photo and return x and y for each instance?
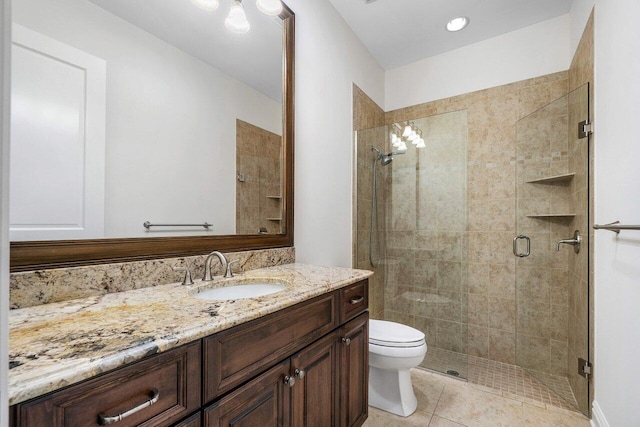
(263, 401)
(354, 371)
(315, 395)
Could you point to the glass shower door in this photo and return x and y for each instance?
(552, 216)
(412, 232)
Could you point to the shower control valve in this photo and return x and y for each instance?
(577, 239)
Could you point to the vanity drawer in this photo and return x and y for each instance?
(354, 299)
(233, 356)
(171, 378)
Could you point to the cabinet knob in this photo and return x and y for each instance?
(299, 373)
(290, 381)
(345, 340)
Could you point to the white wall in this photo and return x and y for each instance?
(329, 59)
(529, 52)
(171, 120)
(617, 192)
(5, 28)
(578, 16)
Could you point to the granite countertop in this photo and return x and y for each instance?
(55, 345)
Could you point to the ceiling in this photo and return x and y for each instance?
(398, 32)
(254, 58)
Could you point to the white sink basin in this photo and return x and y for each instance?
(240, 291)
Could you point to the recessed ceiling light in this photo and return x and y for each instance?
(457, 24)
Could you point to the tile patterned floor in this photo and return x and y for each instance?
(510, 380)
(448, 402)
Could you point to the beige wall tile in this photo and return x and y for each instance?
(533, 352)
(502, 280)
(477, 341)
(502, 314)
(502, 346)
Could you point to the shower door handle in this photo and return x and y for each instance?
(515, 246)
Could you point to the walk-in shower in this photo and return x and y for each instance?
(438, 224)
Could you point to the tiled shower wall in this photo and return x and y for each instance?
(258, 164)
(581, 73)
(491, 173)
(541, 278)
(367, 115)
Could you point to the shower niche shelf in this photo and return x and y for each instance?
(274, 197)
(274, 219)
(563, 179)
(543, 216)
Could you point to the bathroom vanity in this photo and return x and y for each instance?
(298, 357)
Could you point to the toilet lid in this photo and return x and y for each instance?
(391, 334)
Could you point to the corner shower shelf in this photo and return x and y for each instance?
(274, 219)
(542, 216)
(274, 197)
(551, 180)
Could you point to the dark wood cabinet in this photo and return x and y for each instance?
(354, 371)
(172, 379)
(233, 356)
(262, 402)
(315, 394)
(325, 384)
(306, 365)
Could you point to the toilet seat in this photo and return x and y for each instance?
(391, 334)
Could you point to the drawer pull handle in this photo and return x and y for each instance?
(356, 300)
(105, 420)
(347, 341)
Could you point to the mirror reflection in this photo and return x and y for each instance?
(153, 111)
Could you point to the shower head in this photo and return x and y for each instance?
(385, 159)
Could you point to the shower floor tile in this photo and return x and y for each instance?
(502, 378)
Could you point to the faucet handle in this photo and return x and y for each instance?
(187, 273)
(228, 274)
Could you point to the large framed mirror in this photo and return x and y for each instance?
(149, 129)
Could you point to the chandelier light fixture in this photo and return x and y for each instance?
(401, 134)
(208, 5)
(236, 20)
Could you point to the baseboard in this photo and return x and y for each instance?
(597, 416)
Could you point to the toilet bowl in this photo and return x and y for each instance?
(393, 350)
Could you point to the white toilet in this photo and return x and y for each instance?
(393, 350)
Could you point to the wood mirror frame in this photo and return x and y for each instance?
(38, 255)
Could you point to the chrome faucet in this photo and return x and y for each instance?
(226, 266)
(207, 265)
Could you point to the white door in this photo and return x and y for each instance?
(58, 101)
